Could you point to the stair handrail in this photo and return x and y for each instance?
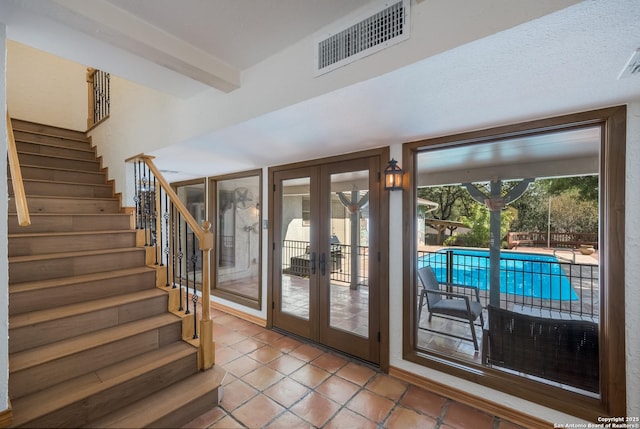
(19, 195)
(205, 238)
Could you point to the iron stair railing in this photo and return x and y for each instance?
(174, 234)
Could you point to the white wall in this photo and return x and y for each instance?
(4, 265)
(141, 119)
(632, 290)
(632, 257)
(46, 89)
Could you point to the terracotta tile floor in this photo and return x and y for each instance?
(276, 381)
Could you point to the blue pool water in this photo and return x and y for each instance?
(523, 274)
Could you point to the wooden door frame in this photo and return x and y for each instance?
(381, 230)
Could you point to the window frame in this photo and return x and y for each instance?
(612, 401)
(213, 209)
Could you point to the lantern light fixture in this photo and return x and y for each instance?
(393, 176)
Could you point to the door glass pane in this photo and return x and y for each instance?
(348, 261)
(297, 258)
(238, 236)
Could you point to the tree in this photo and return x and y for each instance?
(479, 234)
(532, 208)
(571, 214)
(453, 202)
(586, 186)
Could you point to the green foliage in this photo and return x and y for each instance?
(453, 201)
(479, 234)
(586, 187)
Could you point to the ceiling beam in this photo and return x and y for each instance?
(107, 22)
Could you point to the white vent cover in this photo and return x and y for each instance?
(633, 66)
(364, 35)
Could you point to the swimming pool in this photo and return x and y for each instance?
(523, 274)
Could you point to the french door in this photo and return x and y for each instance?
(325, 252)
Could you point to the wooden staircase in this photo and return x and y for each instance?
(92, 341)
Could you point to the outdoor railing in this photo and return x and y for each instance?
(558, 287)
(551, 239)
(179, 245)
(295, 261)
(19, 195)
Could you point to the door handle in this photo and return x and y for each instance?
(313, 262)
(323, 264)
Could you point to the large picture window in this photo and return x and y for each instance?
(236, 208)
(516, 260)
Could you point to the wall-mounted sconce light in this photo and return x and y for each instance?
(393, 176)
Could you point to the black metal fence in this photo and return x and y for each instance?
(299, 261)
(546, 285)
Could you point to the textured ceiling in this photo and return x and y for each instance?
(565, 62)
(239, 32)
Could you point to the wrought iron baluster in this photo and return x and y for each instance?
(180, 254)
(186, 267)
(154, 229)
(136, 188)
(194, 296)
(173, 246)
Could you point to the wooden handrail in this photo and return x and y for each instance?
(205, 239)
(16, 178)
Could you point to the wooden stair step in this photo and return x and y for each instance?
(34, 172)
(64, 189)
(45, 366)
(50, 149)
(172, 407)
(65, 264)
(62, 222)
(50, 293)
(35, 137)
(37, 328)
(36, 128)
(78, 401)
(58, 161)
(40, 243)
(60, 204)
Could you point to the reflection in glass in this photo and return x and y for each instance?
(349, 245)
(296, 255)
(238, 236)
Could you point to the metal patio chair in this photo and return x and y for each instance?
(454, 306)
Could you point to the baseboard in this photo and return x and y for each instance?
(6, 417)
(241, 314)
(477, 402)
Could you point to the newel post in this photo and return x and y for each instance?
(207, 345)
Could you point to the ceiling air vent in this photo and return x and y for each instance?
(365, 35)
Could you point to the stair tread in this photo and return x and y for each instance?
(35, 317)
(45, 401)
(63, 197)
(60, 168)
(43, 214)
(44, 155)
(50, 352)
(26, 130)
(71, 233)
(62, 183)
(53, 145)
(154, 407)
(46, 256)
(62, 281)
